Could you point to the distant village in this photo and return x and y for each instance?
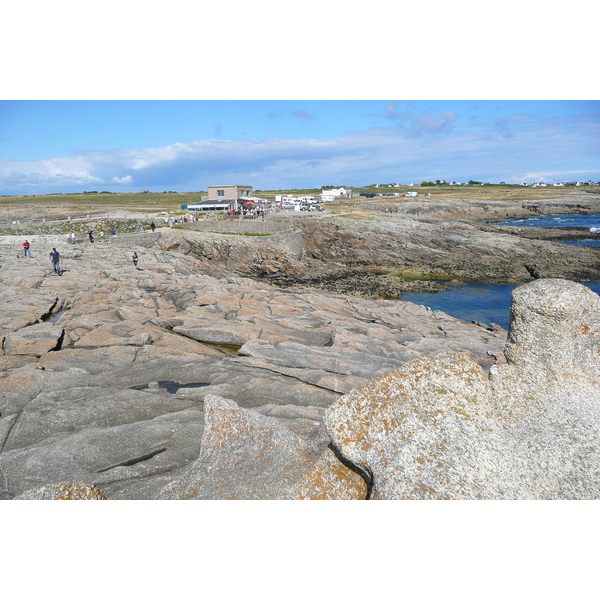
(455, 183)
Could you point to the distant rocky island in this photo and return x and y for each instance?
(283, 366)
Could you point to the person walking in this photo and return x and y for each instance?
(26, 250)
(152, 226)
(73, 240)
(55, 259)
(91, 237)
(135, 259)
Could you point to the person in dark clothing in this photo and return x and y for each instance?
(152, 226)
(55, 259)
(134, 258)
(91, 237)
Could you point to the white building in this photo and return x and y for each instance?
(331, 195)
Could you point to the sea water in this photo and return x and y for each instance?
(488, 302)
(591, 222)
(476, 301)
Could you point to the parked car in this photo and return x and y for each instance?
(411, 194)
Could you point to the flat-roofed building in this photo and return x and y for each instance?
(228, 192)
(221, 205)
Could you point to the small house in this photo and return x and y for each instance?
(331, 195)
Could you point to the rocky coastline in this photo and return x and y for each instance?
(421, 246)
(232, 367)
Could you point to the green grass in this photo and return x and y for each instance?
(171, 201)
(158, 201)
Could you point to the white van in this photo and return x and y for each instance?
(410, 194)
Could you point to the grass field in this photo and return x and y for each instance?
(143, 200)
(172, 201)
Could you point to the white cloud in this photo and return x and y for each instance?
(54, 173)
(128, 179)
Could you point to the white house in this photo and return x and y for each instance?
(331, 195)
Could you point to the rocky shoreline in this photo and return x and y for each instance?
(218, 368)
(420, 247)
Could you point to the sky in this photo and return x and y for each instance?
(50, 146)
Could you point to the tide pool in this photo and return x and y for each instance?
(476, 301)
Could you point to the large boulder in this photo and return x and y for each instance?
(439, 427)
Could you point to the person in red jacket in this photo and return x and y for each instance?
(26, 250)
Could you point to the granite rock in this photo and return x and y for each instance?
(441, 428)
(143, 349)
(244, 455)
(63, 491)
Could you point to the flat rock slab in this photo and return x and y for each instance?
(35, 340)
(122, 455)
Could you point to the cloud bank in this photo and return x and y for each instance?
(412, 148)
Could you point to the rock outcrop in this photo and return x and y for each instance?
(441, 428)
(106, 369)
(191, 377)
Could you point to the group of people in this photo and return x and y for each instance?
(251, 214)
(56, 259)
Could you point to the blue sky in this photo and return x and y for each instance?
(49, 146)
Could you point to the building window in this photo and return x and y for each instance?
(220, 192)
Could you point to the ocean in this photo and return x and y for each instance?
(591, 222)
(475, 301)
(488, 302)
